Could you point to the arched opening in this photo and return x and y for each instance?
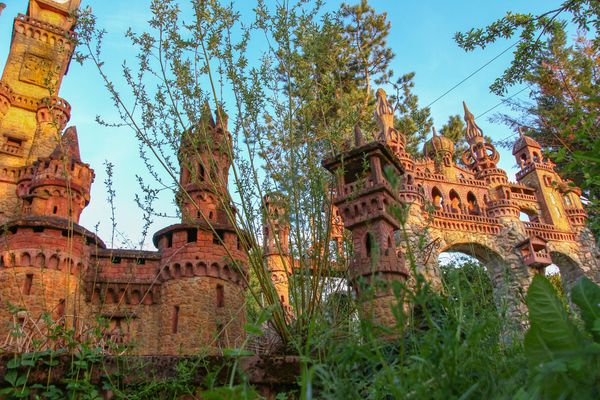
(483, 273)
(523, 159)
(472, 205)
(455, 203)
(569, 270)
(529, 215)
(437, 198)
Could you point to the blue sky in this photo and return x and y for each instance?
(421, 37)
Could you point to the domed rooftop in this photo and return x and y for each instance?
(524, 141)
(438, 144)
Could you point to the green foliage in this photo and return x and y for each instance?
(533, 31)
(437, 356)
(564, 360)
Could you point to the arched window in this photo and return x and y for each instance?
(472, 205)
(523, 159)
(567, 200)
(455, 203)
(437, 197)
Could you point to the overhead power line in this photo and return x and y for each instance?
(472, 74)
(502, 101)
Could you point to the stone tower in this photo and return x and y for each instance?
(538, 172)
(276, 232)
(203, 262)
(364, 196)
(32, 117)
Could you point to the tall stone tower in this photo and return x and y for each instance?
(538, 172)
(203, 262)
(276, 231)
(32, 117)
(364, 196)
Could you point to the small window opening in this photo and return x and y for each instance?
(218, 237)
(220, 296)
(140, 261)
(210, 215)
(192, 235)
(220, 334)
(369, 244)
(175, 321)
(38, 229)
(13, 142)
(55, 210)
(116, 260)
(170, 240)
(282, 299)
(28, 284)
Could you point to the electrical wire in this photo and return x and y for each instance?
(472, 74)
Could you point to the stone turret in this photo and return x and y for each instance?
(276, 232)
(204, 157)
(52, 115)
(59, 185)
(203, 260)
(440, 149)
(553, 193)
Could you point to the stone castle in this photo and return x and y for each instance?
(190, 293)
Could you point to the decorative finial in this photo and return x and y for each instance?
(384, 114)
(522, 131)
(433, 131)
(473, 131)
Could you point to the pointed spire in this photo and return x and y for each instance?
(206, 116)
(222, 118)
(68, 146)
(433, 131)
(473, 131)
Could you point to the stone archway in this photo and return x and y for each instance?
(510, 279)
(570, 270)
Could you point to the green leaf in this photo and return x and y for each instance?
(586, 294)
(11, 377)
(552, 334)
(253, 330)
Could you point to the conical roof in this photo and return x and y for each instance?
(524, 141)
(68, 146)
